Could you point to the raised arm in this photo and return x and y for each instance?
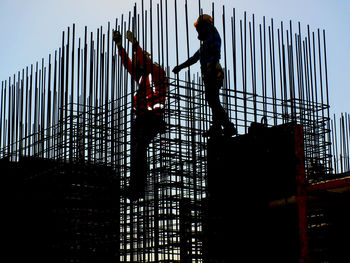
(141, 56)
(126, 61)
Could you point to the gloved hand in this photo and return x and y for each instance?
(132, 39)
(177, 69)
(117, 38)
(130, 36)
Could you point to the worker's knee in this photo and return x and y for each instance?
(212, 94)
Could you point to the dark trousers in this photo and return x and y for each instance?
(143, 130)
(212, 87)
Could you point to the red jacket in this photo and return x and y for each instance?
(148, 98)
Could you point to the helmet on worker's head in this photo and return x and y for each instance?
(204, 19)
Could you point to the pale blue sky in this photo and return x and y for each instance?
(32, 29)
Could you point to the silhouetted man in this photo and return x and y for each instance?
(209, 56)
(148, 108)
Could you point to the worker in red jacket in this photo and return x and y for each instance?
(149, 99)
(148, 108)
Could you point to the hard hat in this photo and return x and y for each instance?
(203, 18)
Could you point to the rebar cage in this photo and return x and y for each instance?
(78, 109)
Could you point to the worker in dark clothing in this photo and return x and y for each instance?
(209, 56)
(148, 109)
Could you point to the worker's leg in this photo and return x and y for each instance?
(220, 116)
(138, 159)
(212, 97)
(156, 124)
(143, 131)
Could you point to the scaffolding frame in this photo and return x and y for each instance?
(167, 224)
(78, 109)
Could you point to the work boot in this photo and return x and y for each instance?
(132, 194)
(230, 130)
(214, 130)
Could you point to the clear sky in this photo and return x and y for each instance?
(32, 29)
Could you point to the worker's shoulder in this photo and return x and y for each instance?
(214, 35)
(214, 31)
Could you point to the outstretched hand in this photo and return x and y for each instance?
(176, 69)
(130, 36)
(117, 37)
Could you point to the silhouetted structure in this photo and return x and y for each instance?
(246, 176)
(60, 212)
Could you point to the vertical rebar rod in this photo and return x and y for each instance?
(292, 78)
(49, 112)
(326, 84)
(233, 36)
(243, 67)
(72, 98)
(225, 61)
(90, 105)
(347, 128)
(66, 102)
(1, 118)
(264, 70)
(253, 65)
(20, 118)
(273, 71)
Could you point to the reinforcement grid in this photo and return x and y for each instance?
(166, 224)
(78, 109)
